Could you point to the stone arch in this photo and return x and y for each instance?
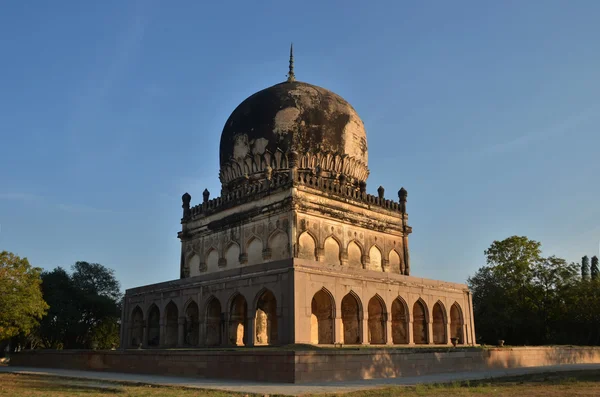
(212, 322)
(137, 327)
(306, 246)
(171, 324)
(395, 263)
(322, 317)
(355, 254)
(153, 326)
(238, 313)
(266, 318)
(439, 324)
(376, 320)
(420, 322)
(331, 250)
(193, 264)
(399, 321)
(375, 258)
(254, 249)
(192, 323)
(212, 260)
(232, 254)
(279, 245)
(351, 318)
(456, 323)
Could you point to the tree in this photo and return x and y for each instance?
(84, 307)
(585, 268)
(21, 302)
(595, 270)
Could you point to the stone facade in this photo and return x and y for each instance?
(294, 250)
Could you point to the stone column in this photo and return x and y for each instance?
(163, 334)
(463, 334)
(181, 331)
(409, 333)
(249, 330)
(430, 332)
(389, 340)
(282, 334)
(338, 329)
(144, 335)
(448, 342)
(365, 331)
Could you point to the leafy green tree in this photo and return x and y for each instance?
(21, 301)
(595, 269)
(585, 268)
(84, 308)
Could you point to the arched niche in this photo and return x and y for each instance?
(192, 324)
(153, 326)
(212, 330)
(331, 250)
(238, 313)
(232, 255)
(456, 323)
(194, 265)
(137, 327)
(419, 323)
(439, 324)
(354, 255)
(212, 260)
(376, 320)
(375, 259)
(394, 262)
(321, 326)
(351, 319)
(266, 319)
(399, 322)
(254, 250)
(306, 246)
(279, 245)
(171, 322)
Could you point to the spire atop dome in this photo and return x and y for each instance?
(291, 77)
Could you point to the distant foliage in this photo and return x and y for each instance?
(585, 268)
(21, 302)
(594, 271)
(525, 298)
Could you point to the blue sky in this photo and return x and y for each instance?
(488, 113)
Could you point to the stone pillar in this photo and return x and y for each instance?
(430, 332)
(282, 334)
(249, 330)
(338, 329)
(181, 331)
(409, 333)
(389, 340)
(365, 331)
(448, 342)
(163, 334)
(144, 335)
(463, 334)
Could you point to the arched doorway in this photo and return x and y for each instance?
(456, 323)
(171, 316)
(266, 319)
(212, 335)
(321, 324)
(192, 324)
(153, 326)
(137, 327)
(376, 321)
(419, 323)
(351, 319)
(237, 321)
(439, 325)
(399, 322)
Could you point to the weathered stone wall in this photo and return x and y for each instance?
(307, 366)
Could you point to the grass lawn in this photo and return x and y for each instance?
(576, 383)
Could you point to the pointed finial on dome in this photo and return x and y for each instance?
(291, 77)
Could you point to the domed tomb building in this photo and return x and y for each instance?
(294, 249)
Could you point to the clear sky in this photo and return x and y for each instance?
(487, 112)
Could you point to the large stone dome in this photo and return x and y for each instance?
(294, 122)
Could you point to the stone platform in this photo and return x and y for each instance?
(301, 366)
